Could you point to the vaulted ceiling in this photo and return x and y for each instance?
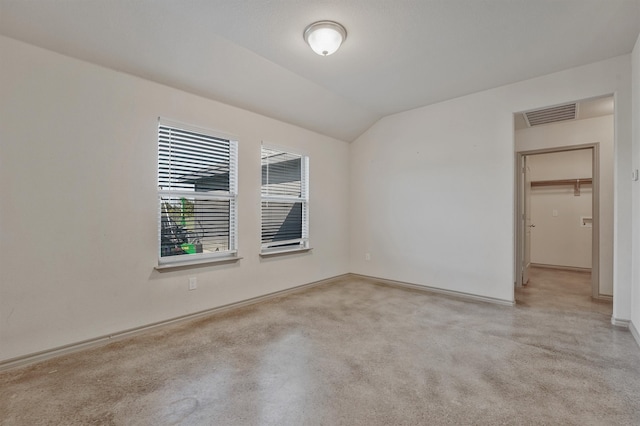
(399, 54)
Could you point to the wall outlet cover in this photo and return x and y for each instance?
(193, 283)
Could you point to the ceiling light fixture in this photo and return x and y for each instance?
(325, 37)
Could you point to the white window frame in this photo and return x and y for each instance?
(231, 196)
(276, 247)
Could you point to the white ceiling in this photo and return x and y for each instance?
(398, 54)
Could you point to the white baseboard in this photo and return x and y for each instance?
(604, 298)
(620, 322)
(634, 332)
(457, 294)
(560, 267)
(104, 340)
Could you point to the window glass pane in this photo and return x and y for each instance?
(193, 225)
(284, 200)
(192, 162)
(281, 221)
(197, 192)
(281, 173)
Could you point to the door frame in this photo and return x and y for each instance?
(595, 211)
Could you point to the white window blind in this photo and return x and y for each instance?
(197, 191)
(285, 200)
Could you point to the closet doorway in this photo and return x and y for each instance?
(558, 211)
(583, 128)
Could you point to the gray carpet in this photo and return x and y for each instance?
(353, 353)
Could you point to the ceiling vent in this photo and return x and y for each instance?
(551, 115)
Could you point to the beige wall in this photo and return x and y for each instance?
(558, 238)
(428, 193)
(594, 130)
(432, 189)
(78, 232)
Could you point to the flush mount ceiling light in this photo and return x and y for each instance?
(325, 37)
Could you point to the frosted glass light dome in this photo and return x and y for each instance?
(325, 37)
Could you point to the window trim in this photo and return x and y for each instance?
(275, 248)
(195, 259)
(283, 251)
(164, 267)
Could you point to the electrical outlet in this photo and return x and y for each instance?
(367, 256)
(193, 283)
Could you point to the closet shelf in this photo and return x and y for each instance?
(564, 182)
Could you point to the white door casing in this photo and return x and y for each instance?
(526, 217)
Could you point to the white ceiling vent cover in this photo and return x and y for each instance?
(551, 115)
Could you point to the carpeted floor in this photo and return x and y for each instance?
(354, 353)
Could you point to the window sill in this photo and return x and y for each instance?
(196, 263)
(284, 251)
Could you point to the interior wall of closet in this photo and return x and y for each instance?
(561, 209)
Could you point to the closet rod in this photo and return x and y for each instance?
(560, 182)
(574, 182)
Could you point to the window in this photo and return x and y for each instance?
(197, 191)
(285, 201)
